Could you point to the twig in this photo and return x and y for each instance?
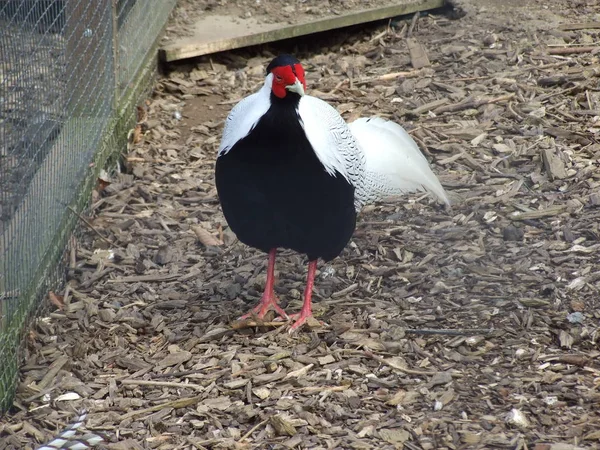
(379, 35)
(402, 33)
(578, 360)
(176, 404)
(242, 324)
(337, 86)
(183, 373)
(586, 112)
(40, 394)
(147, 278)
(345, 302)
(391, 76)
(55, 367)
(205, 237)
(456, 332)
(84, 220)
(487, 77)
(570, 50)
(189, 200)
(574, 44)
(67, 295)
(139, 159)
(231, 102)
(589, 99)
(252, 430)
(499, 174)
(73, 253)
(413, 24)
(514, 113)
(96, 276)
(311, 389)
(198, 445)
(428, 106)
(162, 383)
(471, 104)
(543, 98)
(393, 365)
(529, 215)
(545, 66)
(346, 290)
(579, 26)
(250, 368)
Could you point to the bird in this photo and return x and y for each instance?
(291, 174)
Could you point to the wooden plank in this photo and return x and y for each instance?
(216, 33)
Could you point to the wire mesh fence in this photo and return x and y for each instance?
(65, 67)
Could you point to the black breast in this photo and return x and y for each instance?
(275, 193)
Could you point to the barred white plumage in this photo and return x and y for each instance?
(68, 441)
(292, 173)
(333, 142)
(394, 163)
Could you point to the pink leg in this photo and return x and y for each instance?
(306, 311)
(268, 300)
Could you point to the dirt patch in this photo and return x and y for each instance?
(469, 328)
(199, 110)
(263, 11)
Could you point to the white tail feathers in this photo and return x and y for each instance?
(394, 163)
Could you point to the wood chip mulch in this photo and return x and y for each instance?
(474, 327)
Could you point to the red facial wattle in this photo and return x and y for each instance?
(286, 76)
(299, 71)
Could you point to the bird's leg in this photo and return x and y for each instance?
(306, 311)
(268, 300)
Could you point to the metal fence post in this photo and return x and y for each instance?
(115, 37)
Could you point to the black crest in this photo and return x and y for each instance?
(281, 61)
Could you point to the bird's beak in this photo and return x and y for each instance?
(296, 87)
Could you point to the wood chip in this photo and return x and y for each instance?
(282, 425)
(418, 54)
(553, 164)
(205, 237)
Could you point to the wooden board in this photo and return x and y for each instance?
(216, 33)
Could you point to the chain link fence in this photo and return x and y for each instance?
(69, 74)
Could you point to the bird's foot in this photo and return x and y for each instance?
(266, 304)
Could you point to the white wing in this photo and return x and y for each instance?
(394, 163)
(245, 115)
(332, 140)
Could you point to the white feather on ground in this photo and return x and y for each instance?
(394, 163)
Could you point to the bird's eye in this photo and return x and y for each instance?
(278, 78)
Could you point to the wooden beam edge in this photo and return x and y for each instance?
(190, 47)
